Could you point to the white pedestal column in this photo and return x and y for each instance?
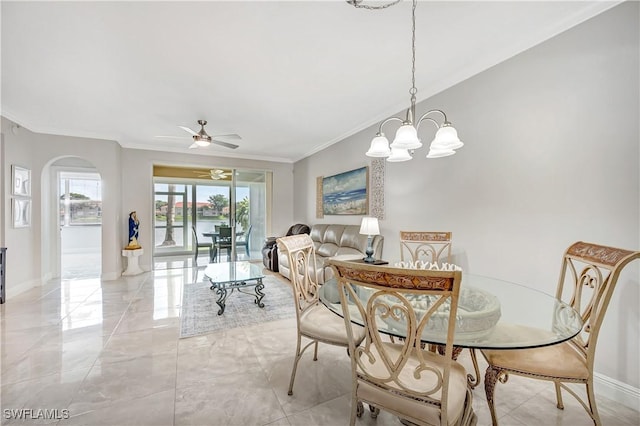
(133, 268)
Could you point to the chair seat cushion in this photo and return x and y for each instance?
(560, 361)
(393, 399)
(318, 322)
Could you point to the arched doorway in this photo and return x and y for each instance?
(75, 218)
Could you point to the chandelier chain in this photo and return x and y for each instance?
(413, 89)
(359, 5)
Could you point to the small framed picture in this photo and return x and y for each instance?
(21, 212)
(21, 179)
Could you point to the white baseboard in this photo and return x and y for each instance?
(614, 389)
(14, 290)
(110, 276)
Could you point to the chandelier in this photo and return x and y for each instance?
(446, 140)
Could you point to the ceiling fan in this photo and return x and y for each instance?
(202, 139)
(216, 174)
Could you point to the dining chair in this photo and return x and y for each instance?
(198, 245)
(588, 276)
(244, 240)
(432, 247)
(314, 320)
(419, 386)
(223, 241)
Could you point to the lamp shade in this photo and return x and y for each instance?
(369, 226)
(406, 138)
(398, 155)
(202, 142)
(379, 147)
(446, 137)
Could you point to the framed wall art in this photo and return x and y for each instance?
(21, 181)
(346, 193)
(21, 212)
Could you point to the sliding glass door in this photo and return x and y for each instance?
(215, 198)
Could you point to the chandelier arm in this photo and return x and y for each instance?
(358, 4)
(435, 123)
(386, 121)
(424, 117)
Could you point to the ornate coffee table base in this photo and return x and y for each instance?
(221, 290)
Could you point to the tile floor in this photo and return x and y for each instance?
(109, 353)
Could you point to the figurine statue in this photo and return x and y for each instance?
(133, 232)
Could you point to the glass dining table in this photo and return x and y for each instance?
(214, 235)
(492, 314)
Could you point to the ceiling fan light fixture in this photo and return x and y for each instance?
(201, 141)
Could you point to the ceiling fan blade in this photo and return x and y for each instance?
(230, 136)
(188, 130)
(225, 144)
(193, 145)
(173, 137)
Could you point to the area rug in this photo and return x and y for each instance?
(199, 313)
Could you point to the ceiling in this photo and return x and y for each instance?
(290, 77)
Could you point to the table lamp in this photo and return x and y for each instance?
(369, 227)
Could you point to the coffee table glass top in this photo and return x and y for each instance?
(232, 272)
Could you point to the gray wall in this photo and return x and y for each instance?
(551, 157)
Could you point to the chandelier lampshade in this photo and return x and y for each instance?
(406, 138)
(399, 155)
(379, 147)
(447, 137)
(438, 153)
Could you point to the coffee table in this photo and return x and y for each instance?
(232, 276)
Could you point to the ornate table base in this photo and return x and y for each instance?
(222, 290)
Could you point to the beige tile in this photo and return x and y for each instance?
(280, 422)
(110, 353)
(203, 358)
(338, 412)
(110, 383)
(316, 381)
(237, 399)
(136, 321)
(130, 346)
(155, 409)
(54, 353)
(53, 392)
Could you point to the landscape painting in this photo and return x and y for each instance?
(346, 193)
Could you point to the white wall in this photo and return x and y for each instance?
(36, 152)
(137, 172)
(126, 185)
(551, 157)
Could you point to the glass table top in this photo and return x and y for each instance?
(492, 314)
(231, 272)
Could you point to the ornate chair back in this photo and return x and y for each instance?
(301, 254)
(314, 320)
(587, 279)
(384, 372)
(432, 247)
